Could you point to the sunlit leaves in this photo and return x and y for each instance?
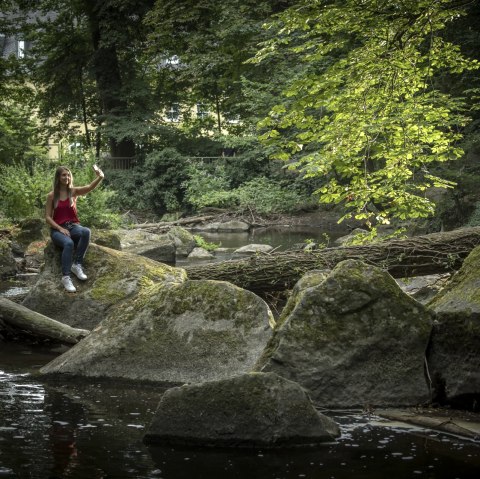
(364, 113)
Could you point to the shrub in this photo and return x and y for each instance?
(23, 190)
(268, 196)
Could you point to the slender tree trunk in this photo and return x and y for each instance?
(421, 255)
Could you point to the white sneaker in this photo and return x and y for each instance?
(78, 271)
(68, 285)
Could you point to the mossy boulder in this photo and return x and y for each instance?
(108, 238)
(113, 278)
(184, 332)
(308, 280)
(462, 293)
(151, 245)
(354, 339)
(454, 351)
(250, 410)
(8, 265)
(29, 231)
(182, 239)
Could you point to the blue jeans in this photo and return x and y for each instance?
(79, 238)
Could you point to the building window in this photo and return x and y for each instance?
(202, 111)
(173, 113)
(20, 49)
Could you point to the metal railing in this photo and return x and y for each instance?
(118, 162)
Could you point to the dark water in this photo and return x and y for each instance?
(94, 430)
(281, 237)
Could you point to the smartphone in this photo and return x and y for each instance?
(96, 168)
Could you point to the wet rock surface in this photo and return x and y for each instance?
(354, 339)
(251, 410)
(190, 331)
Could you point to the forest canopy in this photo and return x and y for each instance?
(369, 104)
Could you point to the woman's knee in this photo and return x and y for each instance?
(86, 233)
(68, 244)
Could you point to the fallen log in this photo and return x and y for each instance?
(402, 258)
(24, 319)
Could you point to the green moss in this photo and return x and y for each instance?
(464, 287)
(116, 271)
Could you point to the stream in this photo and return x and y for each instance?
(94, 429)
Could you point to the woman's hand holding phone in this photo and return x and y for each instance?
(98, 171)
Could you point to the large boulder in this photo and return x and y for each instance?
(151, 245)
(354, 339)
(251, 410)
(454, 352)
(187, 332)
(113, 278)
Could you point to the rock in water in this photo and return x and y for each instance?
(189, 332)
(355, 339)
(250, 410)
(454, 351)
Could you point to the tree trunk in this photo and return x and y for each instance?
(25, 319)
(420, 255)
(106, 67)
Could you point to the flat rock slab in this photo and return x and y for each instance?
(250, 410)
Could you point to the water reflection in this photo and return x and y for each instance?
(364, 452)
(95, 430)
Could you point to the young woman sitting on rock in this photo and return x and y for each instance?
(66, 231)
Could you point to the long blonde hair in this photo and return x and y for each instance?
(56, 186)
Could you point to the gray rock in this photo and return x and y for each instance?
(154, 246)
(8, 265)
(113, 277)
(108, 238)
(454, 351)
(351, 237)
(251, 410)
(200, 254)
(208, 226)
(185, 332)
(182, 239)
(424, 288)
(355, 339)
(233, 225)
(31, 229)
(254, 248)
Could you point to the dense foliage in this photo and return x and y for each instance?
(367, 102)
(366, 112)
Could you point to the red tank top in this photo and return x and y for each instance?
(64, 212)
